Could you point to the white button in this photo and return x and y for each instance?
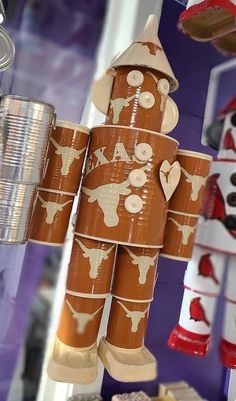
(146, 100)
(143, 152)
(137, 178)
(163, 86)
(133, 204)
(135, 78)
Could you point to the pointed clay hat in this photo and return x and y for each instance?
(146, 51)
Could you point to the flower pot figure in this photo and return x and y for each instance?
(130, 176)
(215, 244)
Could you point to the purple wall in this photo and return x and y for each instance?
(192, 63)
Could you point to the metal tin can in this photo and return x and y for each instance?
(80, 320)
(7, 50)
(16, 202)
(121, 190)
(90, 268)
(135, 100)
(137, 280)
(188, 196)
(179, 236)
(65, 157)
(131, 318)
(25, 127)
(51, 217)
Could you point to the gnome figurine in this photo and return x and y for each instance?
(130, 176)
(215, 244)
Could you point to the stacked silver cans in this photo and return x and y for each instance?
(25, 127)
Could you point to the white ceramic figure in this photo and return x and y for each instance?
(215, 246)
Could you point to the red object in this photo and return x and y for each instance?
(197, 312)
(213, 204)
(231, 106)
(228, 354)
(190, 343)
(229, 141)
(196, 10)
(226, 44)
(206, 268)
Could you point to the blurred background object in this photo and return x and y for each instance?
(211, 21)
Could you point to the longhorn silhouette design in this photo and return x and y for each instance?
(196, 181)
(108, 197)
(96, 256)
(117, 106)
(135, 316)
(82, 318)
(143, 262)
(52, 208)
(67, 155)
(185, 230)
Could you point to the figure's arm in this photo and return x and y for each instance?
(61, 180)
(185, 204)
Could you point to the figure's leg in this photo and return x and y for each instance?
(122, 351)
(228, 342)
(74, 357)
(202, 284)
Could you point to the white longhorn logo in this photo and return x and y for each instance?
(197, 182)
(52, 208)
(143, 262)
(67, 155)
(82, 318)
(108, 197)
(185, 230)
(96, 256)
(117, 106)
(135, 316)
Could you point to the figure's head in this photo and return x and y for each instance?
(143, 76)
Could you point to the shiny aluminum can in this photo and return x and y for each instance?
(7, 50)
(16, 203)
(25, 127)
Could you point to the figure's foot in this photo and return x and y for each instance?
(127, 365)
(73, 365)
(228, 354)
(190, 343)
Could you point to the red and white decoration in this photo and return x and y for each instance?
(215, 246)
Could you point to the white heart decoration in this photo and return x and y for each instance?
(169, 177)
